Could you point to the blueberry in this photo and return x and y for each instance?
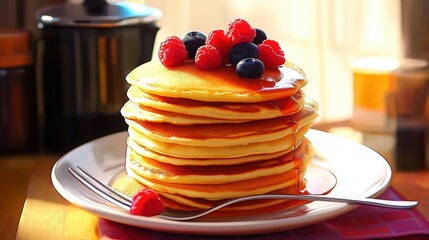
(250, 68)
(260, 36)
(241, 51)
(193, 40)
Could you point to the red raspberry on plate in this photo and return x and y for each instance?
(220, 41)
(271, 54)
(172, 52)
(239, 31)
(146, 203)
(208, 58)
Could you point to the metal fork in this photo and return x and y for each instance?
(124, 202)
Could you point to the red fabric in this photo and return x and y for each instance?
(364, 222)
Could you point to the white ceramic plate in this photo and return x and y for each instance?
(360, 172)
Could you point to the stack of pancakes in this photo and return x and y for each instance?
(201, 137)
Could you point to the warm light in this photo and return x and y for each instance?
(376, 65)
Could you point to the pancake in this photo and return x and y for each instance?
(218, 135)
(201, 137)
(184, 151)
(177, 202)
(243, 188)
(252, 186)
(146, 152)
(220, 110)
(129, 186)
(221, 85)
(217, 174)
(138, 112)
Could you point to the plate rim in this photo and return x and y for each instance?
(210, 228)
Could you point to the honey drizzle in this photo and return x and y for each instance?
(293, 123)
(300, 185)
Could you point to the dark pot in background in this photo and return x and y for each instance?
(83, 57)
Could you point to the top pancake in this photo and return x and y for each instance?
(221, 85)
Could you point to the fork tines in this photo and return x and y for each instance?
(102, 189)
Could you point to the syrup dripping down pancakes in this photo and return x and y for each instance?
(201, 137)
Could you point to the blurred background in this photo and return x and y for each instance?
(365, 61)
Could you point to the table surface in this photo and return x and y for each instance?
(32, 209)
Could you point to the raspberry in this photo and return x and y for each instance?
(271, 54)
(217, 39)
(208, 58)
(172, 52)
(239, 31)
(146, 203)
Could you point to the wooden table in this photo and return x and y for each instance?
(46, 215)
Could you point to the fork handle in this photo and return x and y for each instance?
(363, 201)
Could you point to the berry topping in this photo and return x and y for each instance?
(193, 40)
(208, 58)
(172, 52)
(240, 31)
(250, 68)
(260, 36)
(271, 54)
(241, 51)
(220, 41)
(146, 203)
(232, 46)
